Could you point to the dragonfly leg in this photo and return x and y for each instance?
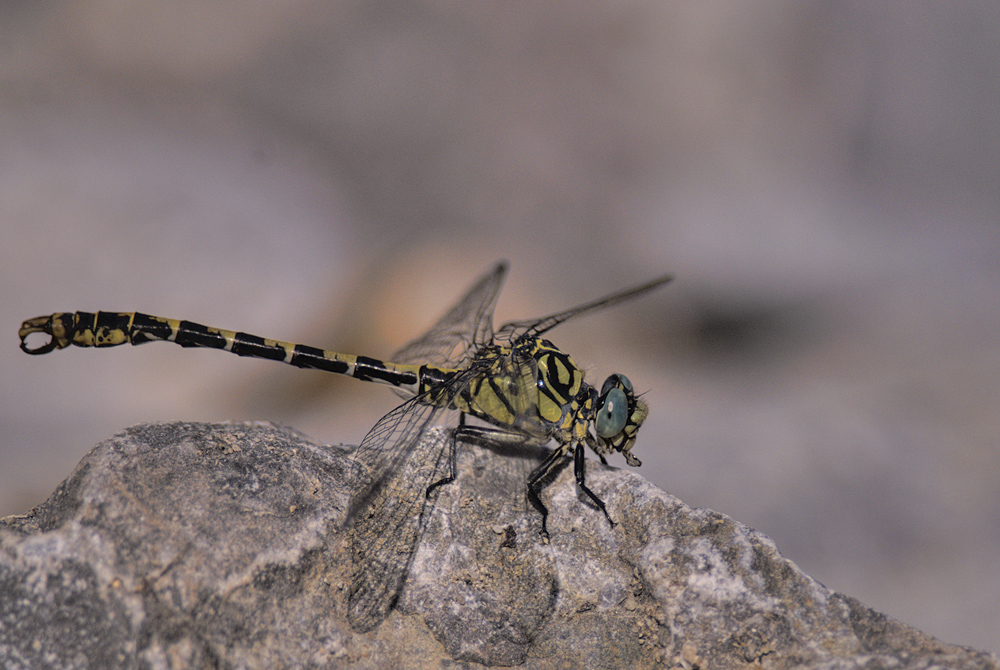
(481, 435)
(494, 438)
(579, 465)
(504, 439)
(452, 458)
(537, 479)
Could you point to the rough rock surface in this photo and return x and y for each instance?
(198, 545)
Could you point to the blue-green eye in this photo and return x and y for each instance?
(612, 413)
(617, 380)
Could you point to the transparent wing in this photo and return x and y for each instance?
(395, 464)
(514, 330)
(449, 342)
(387, 513)
(386, 448)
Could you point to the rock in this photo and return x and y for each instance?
(226, 545)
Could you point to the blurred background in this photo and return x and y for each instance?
(822, 177)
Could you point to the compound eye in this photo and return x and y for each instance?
(617, 380)
(611, 382)
(612, 413)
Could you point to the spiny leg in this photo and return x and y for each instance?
(497, 438)
(491, 438)
(579, 467)
(452, 458)
(538, 475)
(482, 435)
(536, 480)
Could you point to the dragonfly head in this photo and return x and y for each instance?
(618, 413)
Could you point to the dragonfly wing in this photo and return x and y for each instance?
(513, 330)
(397, 462)
(449, 342)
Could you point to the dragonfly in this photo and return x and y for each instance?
(524, 391)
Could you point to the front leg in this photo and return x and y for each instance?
(496, 438)
(579, 468)
(537, 478)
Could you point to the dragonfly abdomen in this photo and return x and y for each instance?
(111, 329)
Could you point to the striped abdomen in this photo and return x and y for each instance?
(111, 329)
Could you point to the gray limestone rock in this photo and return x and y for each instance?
(225, 546)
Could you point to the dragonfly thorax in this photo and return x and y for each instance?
(530, 386)
(557, 377)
